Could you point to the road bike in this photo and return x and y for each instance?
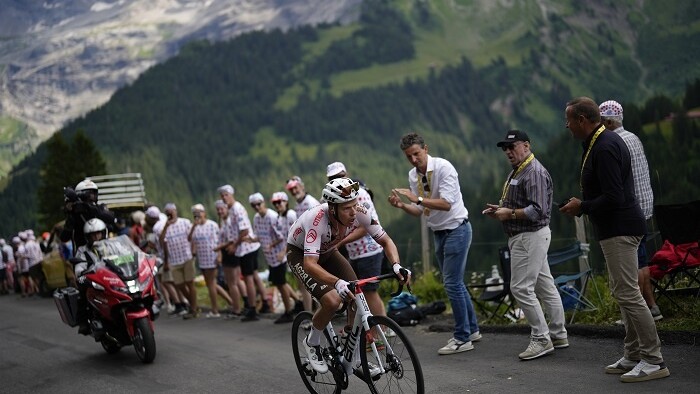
(375, 350)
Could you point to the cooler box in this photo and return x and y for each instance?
(66, 300)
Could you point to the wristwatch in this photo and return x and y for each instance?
(420, 201)
(512, 215)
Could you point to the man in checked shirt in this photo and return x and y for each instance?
(525, 210)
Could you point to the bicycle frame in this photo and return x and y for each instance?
(348, 350)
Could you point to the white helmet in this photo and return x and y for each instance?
(94, 225)
(86, 184)
(340, 190)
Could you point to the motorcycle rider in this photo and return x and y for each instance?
(81, 206)
(94, 230)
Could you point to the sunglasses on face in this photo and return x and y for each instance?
(509, 146)
(255, 204)
(277, 202)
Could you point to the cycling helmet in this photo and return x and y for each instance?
(85, 185)
(94, 225)
(340, 190)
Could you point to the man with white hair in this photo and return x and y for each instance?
(611, 114)
(305, 201)
(245, 250)
(34, 256)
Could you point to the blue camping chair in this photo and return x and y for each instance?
(572, 286)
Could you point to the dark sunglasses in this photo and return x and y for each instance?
(426, 185)
(509, 147)
(277, 202)
(255, 204)
(348, 189)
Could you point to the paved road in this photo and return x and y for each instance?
(39, 354)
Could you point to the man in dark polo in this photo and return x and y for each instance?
(607, 189)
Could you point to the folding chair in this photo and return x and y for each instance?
(675, 267)
(500, 297)
(572, 287)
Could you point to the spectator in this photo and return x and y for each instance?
(611, 116)
(270, 234)
(525, 209)
(35, 256)
(305, 201)
(287, 217)
(136, 231)
(4, 288)
(231, 264)
(155, 220)
(246, 251)
(435, 193)
(9, 258)
(177, 256)
(607, 189)
(204, 236)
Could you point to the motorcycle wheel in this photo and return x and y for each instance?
(144, 341)
(110, 347)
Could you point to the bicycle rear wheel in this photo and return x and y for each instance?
(403, 372)
(315, 382)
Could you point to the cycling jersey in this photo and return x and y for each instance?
(365, 246)
(312, 231)
(305, 204)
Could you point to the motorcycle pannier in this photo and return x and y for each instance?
(66, 300)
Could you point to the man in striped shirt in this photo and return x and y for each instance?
(524, 210)
(611, 115)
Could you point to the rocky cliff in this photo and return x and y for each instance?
(62, 58)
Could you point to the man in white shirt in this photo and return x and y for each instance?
(434, 192)
(305, 201)
(177, 256)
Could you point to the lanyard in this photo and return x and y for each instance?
(588, 151)
(506, 185)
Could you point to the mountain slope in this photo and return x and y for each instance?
(265, 106)
(60, 59)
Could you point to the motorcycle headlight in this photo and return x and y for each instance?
(133, 287)
(97, 286)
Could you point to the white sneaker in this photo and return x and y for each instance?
(212, 315)
(454, 346)
(621, 366)
(313, 353)
(538, 347)
(475, 336)
(645, 371)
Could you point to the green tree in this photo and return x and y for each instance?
(65, 165)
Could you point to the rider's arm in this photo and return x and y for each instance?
(356, 234)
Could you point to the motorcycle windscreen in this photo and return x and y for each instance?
(126, 265)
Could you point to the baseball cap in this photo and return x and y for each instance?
(198, 208)
(611, 108)
(255, 198)
(279, 196)
(226, 189)
(170, 207)
(513, 136)
(220, 203)
(335, 169)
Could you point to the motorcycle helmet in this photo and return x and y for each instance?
(340, 190)
(87, 190)
(94, 226)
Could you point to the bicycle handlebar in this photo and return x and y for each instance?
(362, 282)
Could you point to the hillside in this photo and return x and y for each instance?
(59, 59)
(267, 105)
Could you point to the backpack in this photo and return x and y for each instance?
(407, 316)
(402, 309)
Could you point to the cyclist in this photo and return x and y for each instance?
(314, 258)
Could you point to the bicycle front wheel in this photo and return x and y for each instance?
(315, 382)
(402, 370)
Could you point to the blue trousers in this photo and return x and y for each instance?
(451, 249)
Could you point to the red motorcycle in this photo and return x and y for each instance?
(121, 296)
